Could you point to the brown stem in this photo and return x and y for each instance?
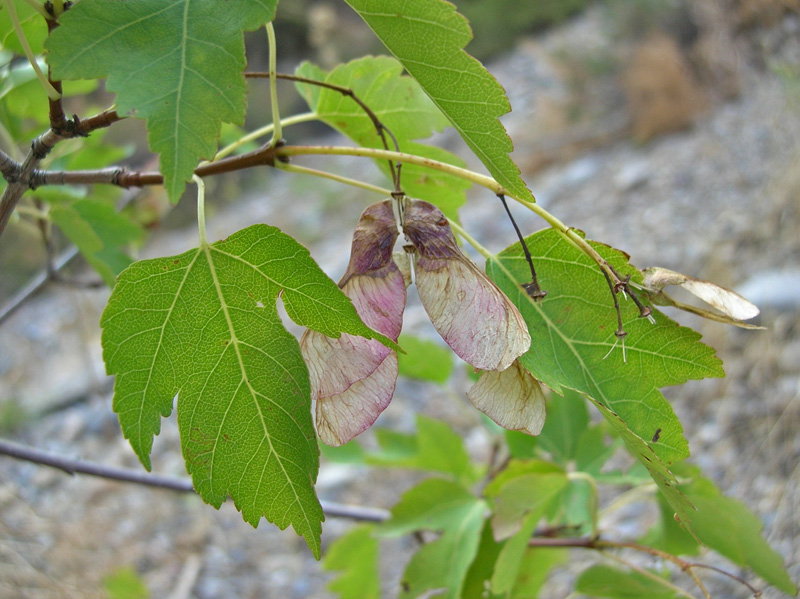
(40, 148)
(74, 466)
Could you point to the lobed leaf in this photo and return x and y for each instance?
(573, 347)
(204, 326)
(428, 37)
(573, 340)
(402, 106)
(178, 64)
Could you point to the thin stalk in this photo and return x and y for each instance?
(52, 93)
(58, 8)
(273, 86)
(38, 7)
(260, 132)
(201, 210)
(303, 170)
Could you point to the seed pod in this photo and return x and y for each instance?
(352, 378)
(513, 398)
(472, 315)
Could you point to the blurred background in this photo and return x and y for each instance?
(667, 128)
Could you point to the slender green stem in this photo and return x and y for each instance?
(273, 86)
(471, 240)
(302, 170)
(38, 7)
(566, 232)
(636, 494)
(52, 93)
(262, 131)
(201, 210)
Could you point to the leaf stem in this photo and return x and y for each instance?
(273, 86)
(201, 210)
(260, 132)
(52, 93)
(38, 7)
(303, 170)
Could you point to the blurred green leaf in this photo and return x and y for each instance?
(125, 583)
(605, 581)
(519, 496)
(402, 106)
(529, 495)
(33, 26)
(425, 360)
(100, 232)
(355, 555)
(438, 505)
(668, 535)
(567, 419)
(435, 447)
(592, 451)
(727, 526)
(534, 570)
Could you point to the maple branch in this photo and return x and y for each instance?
(183, 485)
(19, 178)
(381, 129)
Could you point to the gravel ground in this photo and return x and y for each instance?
(719, 201)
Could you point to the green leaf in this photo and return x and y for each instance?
(438, 505)
(664, 479)
(204, 326)
(592, 452)
(476, 582)
(403, 107)
(605, 581)
(435, 447)
(572, 332)
(727, 526)
(428, 37)
(125, 583)
(355, 555)
(567, 419)
(534, 569)
(33, 26)
(535, 492)
(424, 360)
(668, 535)
(100, 232)
(521, 497)
(177, 64)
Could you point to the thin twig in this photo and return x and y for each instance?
(40, 148)
(183, 485)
